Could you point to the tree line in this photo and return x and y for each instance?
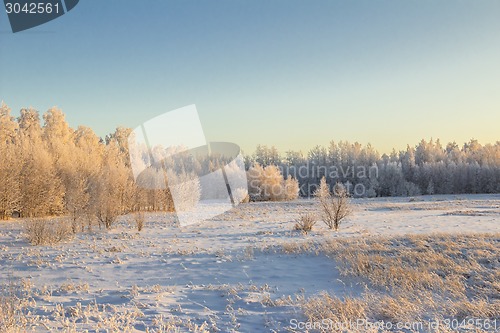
(426, 168)
(51, 169)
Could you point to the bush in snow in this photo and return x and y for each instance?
(334, 206)
(139, 220)
(305, 223)
(45, 232)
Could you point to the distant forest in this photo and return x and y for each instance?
(52, 169)
(427, 168)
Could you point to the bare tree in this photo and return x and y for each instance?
(334, 206)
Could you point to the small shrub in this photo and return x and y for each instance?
(8, 308)
(334, 206)
(139, 220)
(134, 291)
(46, 232)
(14, 309)
(305, 223)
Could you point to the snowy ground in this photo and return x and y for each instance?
(230, 273)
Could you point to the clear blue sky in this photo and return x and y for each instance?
(279, 72)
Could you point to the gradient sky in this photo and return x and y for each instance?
(287, 73)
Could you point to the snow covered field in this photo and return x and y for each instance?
(237, 272)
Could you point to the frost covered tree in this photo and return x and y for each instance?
(41, 189)
(185, 189)
(272, 184)
(266, 156)
(323, 190)
(108, 188)
(291, 188)
(255, 181)
(472, 168)
(59, 139)
(10, 191)
(56, 170)
(267, 183)
(10, 165)
(430, 187)
(335, 206)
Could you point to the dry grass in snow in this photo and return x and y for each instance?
(249, 271)
(415, 279)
